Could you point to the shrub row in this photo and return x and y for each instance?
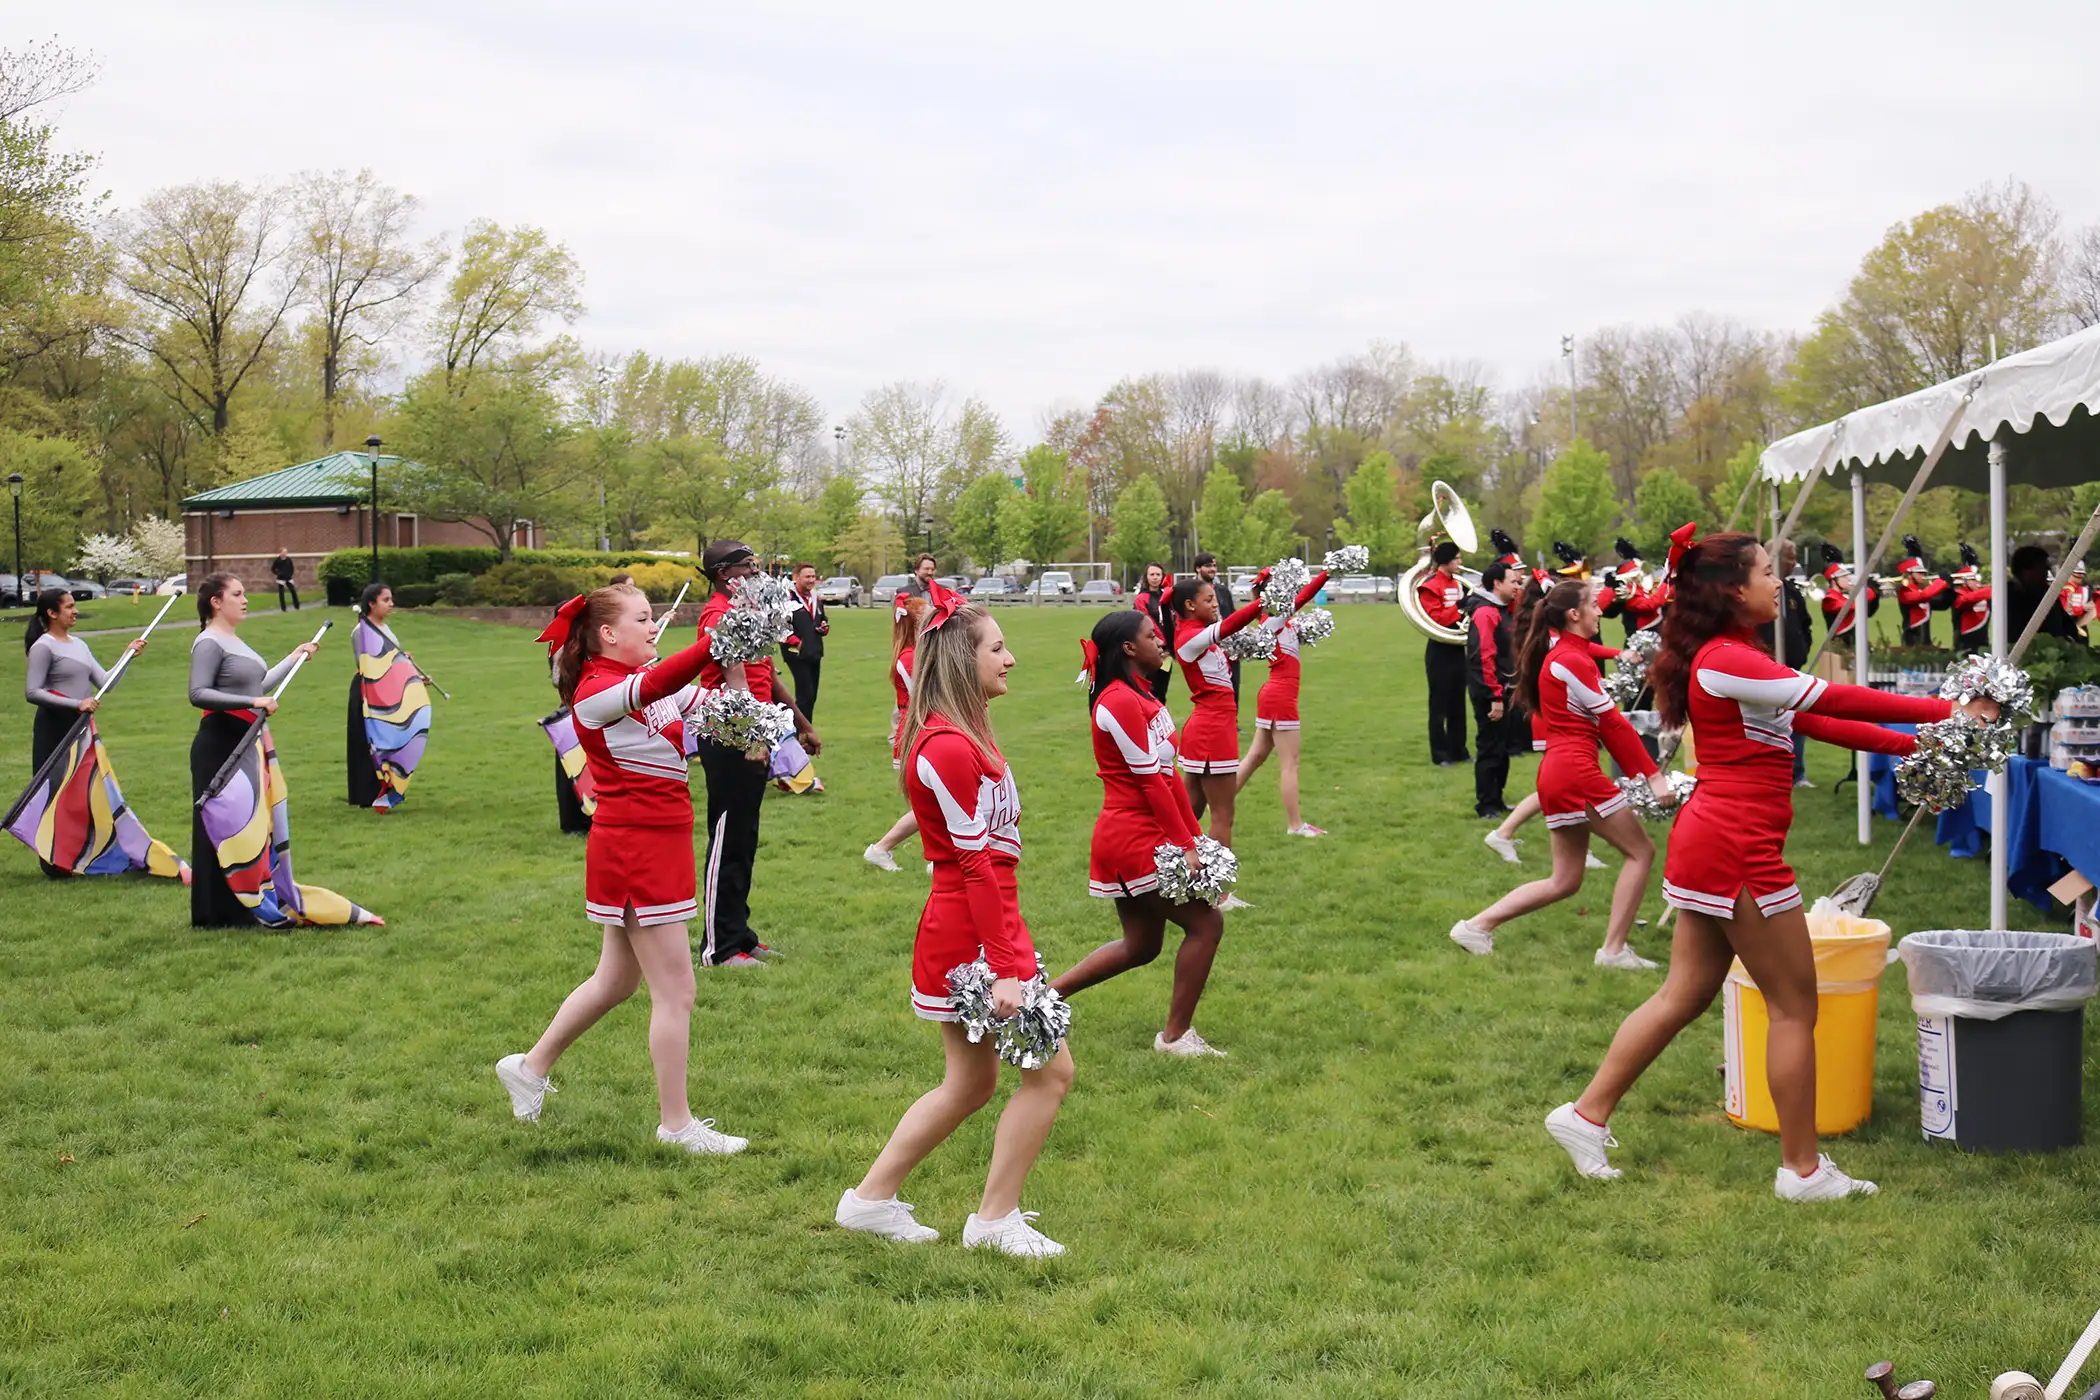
(430, 563)
(532, 577)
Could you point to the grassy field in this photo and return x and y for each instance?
(253, 1164)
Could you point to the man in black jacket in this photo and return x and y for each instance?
(283, 570)
(803, 651)
(1491, 679)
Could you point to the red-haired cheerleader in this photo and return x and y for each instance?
(1143, 807)
(1558, 682)
(904, 631)
(1210, 740)
(1276, 713)
(969, 813)
(1726, 872)
(638, 877)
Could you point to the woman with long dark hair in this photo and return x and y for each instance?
(1503, 839)
(1143, 806)
(1210, 740)
(1151, 600)
(389, 708)
(1558, 683)
(1726, 873)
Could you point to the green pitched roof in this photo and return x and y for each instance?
(341, 478)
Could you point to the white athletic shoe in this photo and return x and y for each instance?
(699, 1136)
(1585, 1142)
(1190, 1045)
(1502, 846)
(1590, 861)
(1233, 901)
(891, 1219)
(1825, 1183)
(1626, 960)
(1010, 1234)
(1305, 829)
(880, 859)
(528, 1091)
(1478, 941)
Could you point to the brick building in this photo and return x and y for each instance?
(308, 510)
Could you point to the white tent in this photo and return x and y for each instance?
(2031, 419)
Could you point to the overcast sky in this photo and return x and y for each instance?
(1031, 203)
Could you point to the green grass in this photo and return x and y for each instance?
(255, 1164)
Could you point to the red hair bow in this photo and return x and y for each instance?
(556, 633)
(1680, 541)
(941, 604)
(1090, 654)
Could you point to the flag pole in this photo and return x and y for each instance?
(255, 728)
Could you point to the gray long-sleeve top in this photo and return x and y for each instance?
(61, 673)
(226, 673)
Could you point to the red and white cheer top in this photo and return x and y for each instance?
(631, 725)
(1576, 716)
(1276, 704)
(969, 812)
(1210, 741)
(900, 678)
(1143, 803)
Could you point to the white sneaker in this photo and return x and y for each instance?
(880, 859)
(1190, 1045)
(1502, 846)
(1010, 1234)
(1590, 861)
(891, 1219)
(1585, 1142)
(1478, 941)
(699, 1136)
(1803, 782)
(1626, 960)
(1305, 829)
(1233, 901)
(1825, 1183)
(528, 1091)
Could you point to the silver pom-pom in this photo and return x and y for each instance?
(1315, 625)
(737, 719)
(1280, 594)
(1029, 1039)
(1645, 805)
(758, 618)
(1939, 773)
(1213, 880)
(1249, 644)
(1625, 684)
(1349, 559)
(1977, 676)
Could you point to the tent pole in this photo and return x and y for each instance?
(1779, 624)
(2001, 823)
(1859, 651)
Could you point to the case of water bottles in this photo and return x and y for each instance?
(2074, 736)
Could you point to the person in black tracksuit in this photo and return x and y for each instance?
(284, 571)
(1491, 680)
(804, 650)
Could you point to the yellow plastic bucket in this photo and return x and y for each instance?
(1850, 956)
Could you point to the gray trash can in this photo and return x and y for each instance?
(2001, 1036)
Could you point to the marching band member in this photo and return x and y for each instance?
(630, 711)
(1439, 593)
(1142, 808)
(1558, 681)
(1972, 603)
(1726, 872)
(1210, 741)
(2077, 599)
(904, 632)
(1491, 675)
(1632, 601)
(1276, 714)
(1919, 594)
(969, 810)
(1838, 581)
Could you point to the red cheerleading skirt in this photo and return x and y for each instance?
(1726, 840)
(1210, 741)
(1121, 863)
(1276, 705)
(1571, 783)
(1538, 733)
(948, 937)
(646, 868)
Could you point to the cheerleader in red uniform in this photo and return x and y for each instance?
(904, 632)
(1276, 714)
(1503, 839)
(968, 810)
(1558, 682)
(638, 878)
(1210, 741)
(1143, 807)
(1726, 872)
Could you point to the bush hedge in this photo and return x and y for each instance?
(414, 595)
(432, 563)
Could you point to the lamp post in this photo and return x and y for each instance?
(1567, 352)
(372, 446)
(14, 488)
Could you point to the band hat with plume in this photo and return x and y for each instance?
(1913, 561)
(1627, 550)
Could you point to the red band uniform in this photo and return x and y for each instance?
(1576, 715)
(1972, 612)
(1837, 602)
(1445, 664)
(1143, 804)
(969, 812)
(1917, 601)
(1210, 741)
(1491, 676)
(1276, 704)
(2077, 600)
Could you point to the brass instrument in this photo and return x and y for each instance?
(1447, 516)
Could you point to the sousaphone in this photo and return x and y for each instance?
(1448, 518)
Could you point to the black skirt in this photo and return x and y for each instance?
(573, 820)
(212, 901)
(357, 750)
(50, 730)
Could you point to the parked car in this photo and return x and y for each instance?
(86, 588)
(10, 590)
(1059, 580)
(1354, 588)
(1048, 591)
(1101, 590)
(37, 580)
(1242, 586)
(125, 587)
(954, 583)
(843, 592)
(180, 583)
(996, 589)
(886, 587)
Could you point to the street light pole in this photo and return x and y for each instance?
(372, 446)
(1567, 352)
(14, 488)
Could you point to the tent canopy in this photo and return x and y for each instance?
(2055, 385)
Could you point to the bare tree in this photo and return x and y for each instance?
(360, 267)
(917, 449)
(42, 72)
(2082, 278)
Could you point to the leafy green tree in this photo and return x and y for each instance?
(1373, 496)
(58, 493)
(1577, 502)
(506, 285)
(1270, 530)
(1138, 533)
(1221, 519)
(870, 548)
(1662, 502)
(495, 452)
(977, 520)
(1742, 469)
(1041, 521)
(838, 510)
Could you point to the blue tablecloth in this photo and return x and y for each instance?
(1881, 771)
(2053, 825)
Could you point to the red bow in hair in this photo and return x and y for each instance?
(556, 633)
(1090, 654)
(941, 604)
(1680, 541)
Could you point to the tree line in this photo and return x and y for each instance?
(219, 329)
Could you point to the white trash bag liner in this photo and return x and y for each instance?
(1989, 976)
